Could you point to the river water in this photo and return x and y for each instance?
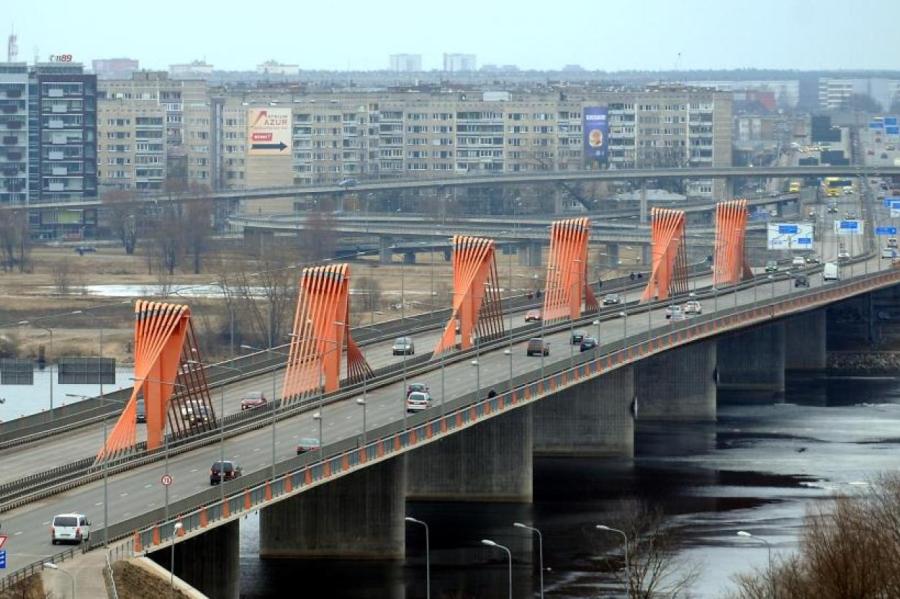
(759, 468)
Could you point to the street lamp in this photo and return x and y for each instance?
(627, 565)
(747, 535)
(360, 401)
(540, 550)
(105, 479)
(491, 543)
(427, 555)
(52, 566)
(318, 417)
(175, 528)
(275, 401)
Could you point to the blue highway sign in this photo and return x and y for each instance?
(885, 230)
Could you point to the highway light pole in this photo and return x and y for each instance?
(105, 470)
(360, 401)
(747, 535)
(627, 565)
(318, 417)
(491, 543)
(540, 550)
(52, 566)
(427, 555)
(175, 528)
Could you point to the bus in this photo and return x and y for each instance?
(837, 186)
(794, 186)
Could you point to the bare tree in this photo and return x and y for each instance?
(15, 241)
(123, 210)
(318, 241)
(167, 236)
(62, 276)
(196, 225)
(368, 291)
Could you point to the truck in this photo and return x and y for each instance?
(831, 272)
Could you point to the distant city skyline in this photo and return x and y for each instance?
(649, 35)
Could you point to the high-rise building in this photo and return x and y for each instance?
(131, 150)
(114, 68)
(836, 93)
(406, 63)
(455, 63)
(14, 132)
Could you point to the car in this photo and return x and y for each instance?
(81, 250)
(307, 444)
(843, 254)
(228, 470)
(831, 272)
(253, 400)
(801, 281)
(888, 252)
(418, 401)
(537, 347)
(532, 315)
(347, 182)
(811, 213)
(812, 259)
(588, 343)
(692, 307)
(140, 411)
(70, 528)
(850, 214)
(832, 209)
(416, 388)
(611, 299)
(403, 346)
(578, 337)
(771, 266)
(798, 261)
(892, 242)
(884, 155)
(673, 311)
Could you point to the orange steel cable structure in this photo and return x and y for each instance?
(730, 264)
(668, 275)
(169, 378)
(476, 295)
(566, 284)
(321, 332)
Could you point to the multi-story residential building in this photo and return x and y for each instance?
(114, 68)
(131, 148)
(14, 133)
(835, 93)
(786, 91)
(273, 67)
(406, 63)
(456, 63)
(196, 69)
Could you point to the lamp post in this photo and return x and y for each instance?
(427, 555)
(627, 565)
(491, 543)
(540, 550)
(175, 528)
(747, 535)
(318, 417)
(52, 566)
(105, 479)
(360, 401)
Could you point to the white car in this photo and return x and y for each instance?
(798, 261)
(843, 255)
(70, 528)
(675, 312)
(418, 401)
(692, 307)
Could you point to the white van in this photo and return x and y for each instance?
(831, 272)
(888, 253)
(70, 528)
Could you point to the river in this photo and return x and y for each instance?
(759, 468)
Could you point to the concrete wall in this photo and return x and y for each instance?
(208, 562)
(359, 516)
(753, 360)
(593, 418)
(491, 461)
(678, 384)
(805, 341)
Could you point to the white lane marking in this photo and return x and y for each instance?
(17, 533)
(194, 470)
(98, 504)
(148, 485)
(47, 523)
(125, 494)
(256, 449)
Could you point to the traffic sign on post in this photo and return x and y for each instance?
(2, 559)
(883, 231)
(3, 540)
(166, 480)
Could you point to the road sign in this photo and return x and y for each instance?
(878, 231)
(848, 227)
(166, 480)
(895, 209)
(790, 236)
(2, 559)
(3, 540)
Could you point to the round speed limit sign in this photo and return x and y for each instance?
(166, 480)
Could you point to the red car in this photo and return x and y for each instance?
(253, 400)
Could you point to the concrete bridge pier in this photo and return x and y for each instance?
(409, 257)
(531, 254)
(491, 461)
(385, 253)
(805, 342)
(753, 360)
(448, 254)
(592, 419)
(612, 255)
(208, 562)
(359, 516)
(646, 255)
(679, 384)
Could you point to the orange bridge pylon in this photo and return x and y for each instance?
(168, 376)
(566, 283)
(668, 274)
(730, 264)
(321, 332)
(476, 294)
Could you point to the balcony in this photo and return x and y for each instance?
(10, 140)
(55, 124)
(59, 108)
(10, 109)
(13, 124)
(14, 156)
(12, 171)
(13, 93)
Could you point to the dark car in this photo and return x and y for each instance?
(801, 281)
(307, 444)
(416, 388)
(588, 343)
(81, 250)
(140, 411)
(537, 347)
(229, 470)
(253, 399)
(577, 337)
(403, 346)
(347, 182)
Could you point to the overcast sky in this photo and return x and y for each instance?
(359, 35)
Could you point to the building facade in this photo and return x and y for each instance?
(459, 63)
(835, 93)
(14, 131)
(114, 68)
(131, 150)
(406, 63)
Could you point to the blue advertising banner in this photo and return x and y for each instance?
(595, 125)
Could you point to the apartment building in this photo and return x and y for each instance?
(835, 93)
(405, 63)
(132, 144)
(459, 63)
(14, 132)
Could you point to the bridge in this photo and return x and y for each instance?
(346, 498)
(728, 173)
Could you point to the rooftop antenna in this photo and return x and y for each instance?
(37, 54)
(12, 48)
